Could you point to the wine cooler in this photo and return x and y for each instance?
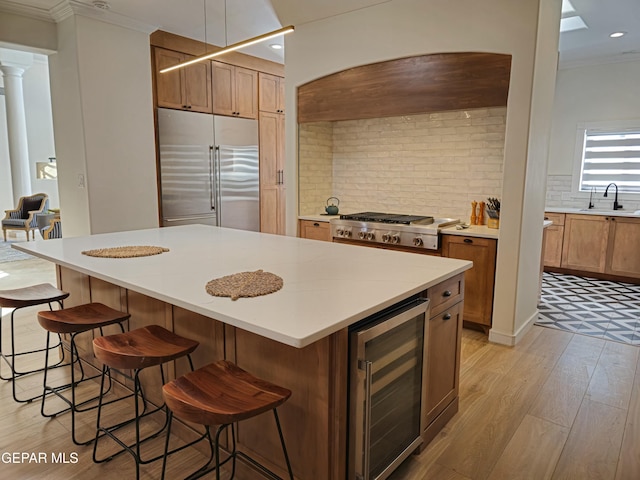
(385, 394)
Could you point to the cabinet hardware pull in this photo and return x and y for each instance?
(446, 293)
(546, 218)
(467, 240)
(316, 224)
(446, 316)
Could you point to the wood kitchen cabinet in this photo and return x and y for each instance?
(235, 90)
(584, 246)
(272, 187)
(442, 372)
(271, 93)
(623, 255)
(478, 301)
(187, 88)
(553, 240)
(315, 230)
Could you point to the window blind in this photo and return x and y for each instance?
(612, 157)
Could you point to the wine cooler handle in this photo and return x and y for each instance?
(368, 369)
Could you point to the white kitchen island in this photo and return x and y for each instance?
(297, 336)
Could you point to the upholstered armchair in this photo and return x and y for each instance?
(54, 230)
(24, 217)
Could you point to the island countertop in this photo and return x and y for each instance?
(327, 286)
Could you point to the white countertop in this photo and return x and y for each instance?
(321, 217)
(327, 286)
(473, 231)
(594, 211)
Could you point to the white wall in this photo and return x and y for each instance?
(39, 125)
(37, 105)
(34, 34)
(596, 93)
(104, 129)
(401, 28)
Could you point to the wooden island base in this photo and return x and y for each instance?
(315, 418)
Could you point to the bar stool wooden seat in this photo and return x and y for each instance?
(43, 293)
(136, 350)
(222, 394)
(73, 321)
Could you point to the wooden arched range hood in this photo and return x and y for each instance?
(412, 85)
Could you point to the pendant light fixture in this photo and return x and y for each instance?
(230, 48)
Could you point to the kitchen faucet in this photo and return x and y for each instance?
(616, 206)
(591, 197)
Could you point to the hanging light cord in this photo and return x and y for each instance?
(226, 40)
(206, 45)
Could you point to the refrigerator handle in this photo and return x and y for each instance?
(212, 178)
(218, 193)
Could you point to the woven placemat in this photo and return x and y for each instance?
(245, 284)
(126, 252)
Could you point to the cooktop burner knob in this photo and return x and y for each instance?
(346, 234)
(340, 232)
(386, 237)
(418, 241)
(395, 238)
(362, 235)
(371, 236)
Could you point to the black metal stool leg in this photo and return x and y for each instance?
(135, 448)
(10, 358)
(284, 447)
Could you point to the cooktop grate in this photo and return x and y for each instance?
(388, 218)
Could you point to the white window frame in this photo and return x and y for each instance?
(598, 127)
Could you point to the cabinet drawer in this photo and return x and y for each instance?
(556, 218)
(315, 230)
(446, 294)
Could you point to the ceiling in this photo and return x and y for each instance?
(247, 18)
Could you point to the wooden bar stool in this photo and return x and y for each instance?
(74, 321)
(40, 294)
(136, 350)
(221, 394)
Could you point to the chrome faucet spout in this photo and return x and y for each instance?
(616, 205)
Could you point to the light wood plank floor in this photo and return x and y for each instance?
(556, 406)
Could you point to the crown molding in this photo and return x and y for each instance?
(68, 8)
(16, 8)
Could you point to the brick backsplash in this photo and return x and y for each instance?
(433, 163)
(560, 195)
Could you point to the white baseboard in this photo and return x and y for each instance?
(512, 339)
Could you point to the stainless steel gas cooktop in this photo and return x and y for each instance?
(416, 231)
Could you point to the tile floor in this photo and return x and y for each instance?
(599, 308)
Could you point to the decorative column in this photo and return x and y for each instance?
(16, 131)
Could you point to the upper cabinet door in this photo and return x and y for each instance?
(197, 86)
(224, 88)
(169, 86)
(246, 93)
(271, 93)
(187, 88)
(235, 91)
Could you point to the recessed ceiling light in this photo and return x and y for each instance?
(617, 34)
(276, 46)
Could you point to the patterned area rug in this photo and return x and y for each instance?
(599, 308)
(9, 254)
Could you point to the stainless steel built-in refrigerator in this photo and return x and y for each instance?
(208, 170)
